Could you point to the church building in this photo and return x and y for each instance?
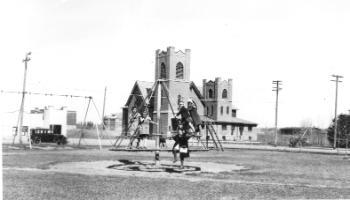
(213, 100)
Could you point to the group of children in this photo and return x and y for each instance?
(189, 125)
(136, 129)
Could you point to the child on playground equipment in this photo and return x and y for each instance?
(183, 147)
(135, 126)
(181, 139)
(186, 119)
(144, 134)
(192, 109)
(184, 131)
(136, 129)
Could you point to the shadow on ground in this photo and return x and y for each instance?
(128, 165)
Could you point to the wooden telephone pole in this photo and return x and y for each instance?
(337, 77)
(21, 110)
(276, 88)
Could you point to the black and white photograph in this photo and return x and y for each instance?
(175, 99)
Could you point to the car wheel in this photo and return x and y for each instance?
(37, 140)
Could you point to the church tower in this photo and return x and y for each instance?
(173, 68)
(173, 65)
(218, 99)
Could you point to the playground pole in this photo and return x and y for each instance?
(84, 122)
(159, 98)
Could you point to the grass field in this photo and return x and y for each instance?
(270, 175)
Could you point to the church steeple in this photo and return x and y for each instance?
(173, 65)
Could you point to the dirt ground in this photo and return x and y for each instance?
(69, 173)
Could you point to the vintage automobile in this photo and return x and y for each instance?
(45, 135)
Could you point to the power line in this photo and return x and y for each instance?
(337, 77)
(12, 111)
(54, 94)
(46, 94)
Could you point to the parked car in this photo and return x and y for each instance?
(45, 135)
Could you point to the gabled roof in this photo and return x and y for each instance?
(144, 87)
(140, 89)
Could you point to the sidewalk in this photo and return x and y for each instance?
(227, 146)
(246, 146)
(319, 150)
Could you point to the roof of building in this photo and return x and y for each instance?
(233, 121)
(238, 121)
(144, 86)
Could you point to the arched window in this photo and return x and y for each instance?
(222, 110)
(208, 111)
(227, 110)
(210, 93)
(234, 114)
(224, 94)
(179, 70)
(212, 110)
(162, 71)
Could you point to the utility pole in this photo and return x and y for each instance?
(337, 77)
(276, 88)
(21, 110)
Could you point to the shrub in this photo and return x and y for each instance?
(294, 141)
(343, 131)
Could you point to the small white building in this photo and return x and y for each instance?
(57, 120)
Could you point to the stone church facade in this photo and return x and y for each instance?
(214, 100)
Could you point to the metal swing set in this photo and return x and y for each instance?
(158, 86)
(30, 139)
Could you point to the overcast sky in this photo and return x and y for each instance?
(81, 46)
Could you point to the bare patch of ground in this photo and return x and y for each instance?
(117, 168)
